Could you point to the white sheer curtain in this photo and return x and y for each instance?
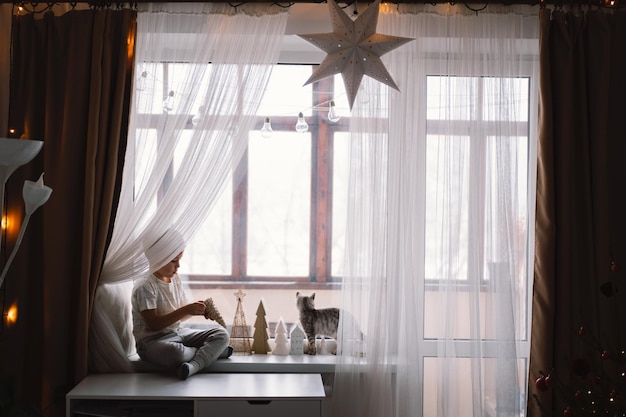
(441, 199)
(176, 164)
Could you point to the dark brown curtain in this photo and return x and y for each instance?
(70, 87)
(580, 260)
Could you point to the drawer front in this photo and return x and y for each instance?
(261, 408)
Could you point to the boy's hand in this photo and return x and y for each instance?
(195, 309)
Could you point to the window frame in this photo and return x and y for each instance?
(477, 174)
(429, 347)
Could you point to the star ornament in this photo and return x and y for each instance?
(354, 49)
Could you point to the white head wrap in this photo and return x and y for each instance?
(164, 249)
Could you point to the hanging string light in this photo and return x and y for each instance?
(168, 104)
(146, 78)
(142, 81)
(141, 84)
(198, 116)
(333, 117)
(266, 130)
(301, 125)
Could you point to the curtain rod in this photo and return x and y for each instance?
(558, 3)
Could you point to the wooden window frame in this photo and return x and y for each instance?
(320, 248)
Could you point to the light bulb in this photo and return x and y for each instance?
(233, 129)
(198, 116)
(140, 85)
(168, 104)
(333, 117)
(12, 315)
(266, 130)
(301, 126)
(363, 96)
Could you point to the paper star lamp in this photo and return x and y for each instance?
(354, 49)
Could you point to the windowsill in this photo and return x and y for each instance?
(201, 284)
(276, 364)
(258, 363)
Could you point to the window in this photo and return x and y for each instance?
(472, 132)
(279, 227)
(467, 104)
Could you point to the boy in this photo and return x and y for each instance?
(160, 304)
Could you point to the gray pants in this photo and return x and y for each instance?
(172, 348)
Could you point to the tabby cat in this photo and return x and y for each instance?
(322, 322)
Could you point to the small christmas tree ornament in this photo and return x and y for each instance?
(212, 313)
(260, 337)
(281, 346)
(240, 335)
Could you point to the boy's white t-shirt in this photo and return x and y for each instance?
(152, 293)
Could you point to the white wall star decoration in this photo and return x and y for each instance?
(354, 49)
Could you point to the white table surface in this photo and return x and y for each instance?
(138, 386)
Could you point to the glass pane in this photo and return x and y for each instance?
(371, 92)
(285, 93)
(456, 312)
(279, 201)
(209, 252)
(145, 157)
(455, 378)
(451, 98)
(502, 238)
(177, 77)
(341, 172)
(447, 211)
(340, 98)
(181, 149)
(149, 94)
(446, 313)
(506, 99)
(506, 186)
(506, 232)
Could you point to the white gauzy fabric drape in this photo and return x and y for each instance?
(439, 219)
(176, 165)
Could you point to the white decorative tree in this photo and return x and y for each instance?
(281, 346)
